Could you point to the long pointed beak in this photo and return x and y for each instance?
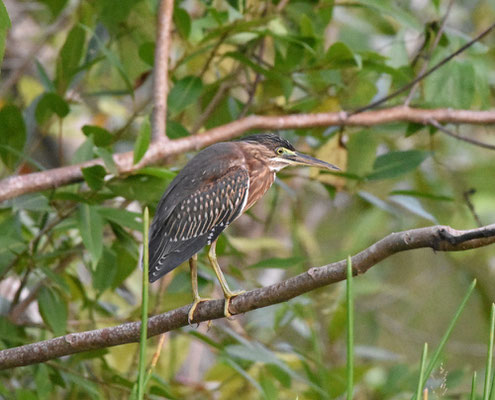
(304, 159)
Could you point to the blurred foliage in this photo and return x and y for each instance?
(76, 84)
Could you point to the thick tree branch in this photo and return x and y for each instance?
(18, 185)
(439, 238)
(160, 73)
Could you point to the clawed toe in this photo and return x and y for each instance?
(228, 298)
(190, 314)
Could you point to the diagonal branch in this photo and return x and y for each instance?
(439, 238)
(18, 185)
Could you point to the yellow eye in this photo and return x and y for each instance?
(280, 151)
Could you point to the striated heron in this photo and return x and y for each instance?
(215, 187)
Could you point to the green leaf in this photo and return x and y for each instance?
(94, 176)
(12, 135)
(122, 217)
(142, 141)
(49, 104)
(91, 230)
(84, 152)
(31, 202)
(340, 55)
(111, 57)
(108, 160)
(53, 310)
(362, 152)
(397, 163)
(176, 130)
(69, 58)
(388, 8)
(44, 386)
(413, 205)
(146, 188)
(5, 24)
(147, 53)
(184, 93)
(126, 263)
(282, 376)
(451, 86)
(55, 6)
(44, 79)
(414, 193)
(105, 271)
(182, 21)
(101, 137)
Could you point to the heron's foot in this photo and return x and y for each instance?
(190, 315)
(229, 296)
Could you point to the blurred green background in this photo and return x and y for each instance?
(76, 84)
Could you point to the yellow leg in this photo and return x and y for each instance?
(228, 294)
(194, 283)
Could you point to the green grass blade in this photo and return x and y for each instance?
(492, 389)
(144, 309)
(350, 330)
(473, 387)
(489, 356)
(421, 380)
(436, 355)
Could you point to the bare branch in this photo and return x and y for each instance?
(160, 73)
(459, 137)
(439, 238)
(18, 185)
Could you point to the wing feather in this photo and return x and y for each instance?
(196, 220)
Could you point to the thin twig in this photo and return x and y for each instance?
(459, 137)
(439, 238)
(212, 105)
(467, 198)
(430, 51)
(160, 76)
(425, 74)
(254, 86)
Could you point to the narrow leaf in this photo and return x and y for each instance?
(69, 57)
(91, 229)
(142, 142)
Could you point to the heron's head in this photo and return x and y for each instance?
(278, 153)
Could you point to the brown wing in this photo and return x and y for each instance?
(196, 220)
